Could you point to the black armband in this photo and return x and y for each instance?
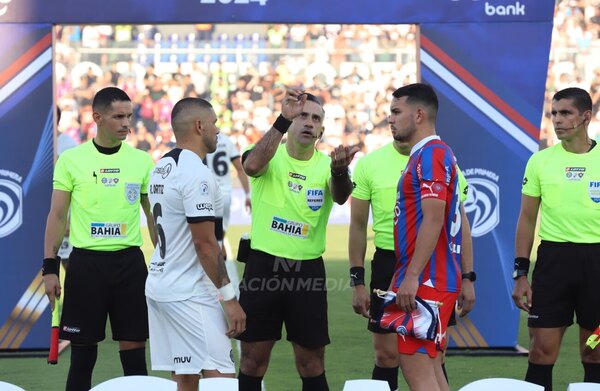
(282, 124)
(219, 233)
(340, 174)
(51, 266)
(521, 267)
(357, 275)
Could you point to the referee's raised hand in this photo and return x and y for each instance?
(292, 104)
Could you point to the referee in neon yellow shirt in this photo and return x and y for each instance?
(104, 181)
(293, 190)
(563, 183)
(376, 188)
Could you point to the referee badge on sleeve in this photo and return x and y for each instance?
(132, 192)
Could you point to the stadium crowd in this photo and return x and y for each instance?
(244, 69)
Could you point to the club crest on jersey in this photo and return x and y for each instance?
(108, 230)
(574, 173)
(594, 191)
(289, 227)
(204, 188)
(432, 189)
(314, 198)
(132, 192)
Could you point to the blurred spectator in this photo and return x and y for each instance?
(352, 68)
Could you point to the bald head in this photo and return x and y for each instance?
(188, 110)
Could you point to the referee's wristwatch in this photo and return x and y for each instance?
(471, 276)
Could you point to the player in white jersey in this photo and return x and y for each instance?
(219, 163)
(188, 332)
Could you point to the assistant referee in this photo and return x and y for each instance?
(104, 182)
(563, 182)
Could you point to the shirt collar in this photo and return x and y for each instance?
(420, 144)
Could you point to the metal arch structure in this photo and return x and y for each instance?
(487, 60)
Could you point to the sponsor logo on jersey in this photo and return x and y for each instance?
(204, 206)
(110, 182)
(71, 329)
(483, 200)
(132, 192)
(289, 227)
(433, 189)
(297, 176)
(574, 173)
(108, 230)
(204, 188)
(163, 171)
(156, 189)
(110, 170)
(314, 198)
(594, 191)
(505, 10)
(294, 187)
(11, 202)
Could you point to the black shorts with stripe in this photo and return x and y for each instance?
(276, 291)
(564, 282)
(100, 284)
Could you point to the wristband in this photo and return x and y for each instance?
(340, 174)
(357, 275)
(521, 267)
(227, 292)
(282, 124)
(51, 266)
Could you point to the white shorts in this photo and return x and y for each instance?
(187, 337)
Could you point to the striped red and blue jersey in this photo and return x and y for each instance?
(431, 172)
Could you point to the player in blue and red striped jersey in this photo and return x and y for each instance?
(427, 230)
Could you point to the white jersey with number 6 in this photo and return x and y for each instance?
(182, 190)
(220, 160)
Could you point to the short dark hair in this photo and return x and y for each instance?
(187, 103)
(419, 93)
(312, 98)
(106, 96)
(183, 106)
(581, 98)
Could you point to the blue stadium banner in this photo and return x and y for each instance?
(26, 163)
(490, 80)
(274, 11)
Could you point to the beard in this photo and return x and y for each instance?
(405, 138)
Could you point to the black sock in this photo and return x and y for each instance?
(315, 383)
(591, 372)
(133, 362)
(249, 383)
(445, 373)
(540, 374)
(389, 375)
(83, 359)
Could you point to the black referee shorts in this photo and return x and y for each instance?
(101, 283)
(276, 291)
(565, 281)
